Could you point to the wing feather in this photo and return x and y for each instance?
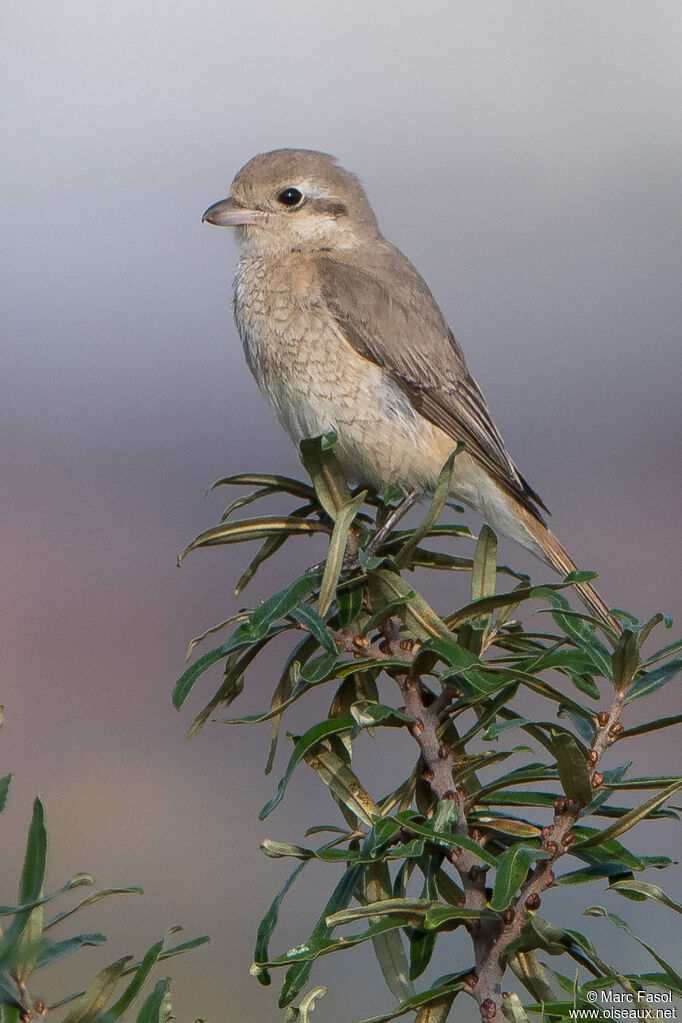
(386, 312)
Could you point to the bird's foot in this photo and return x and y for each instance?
(393, 519)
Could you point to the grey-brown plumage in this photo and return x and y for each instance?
(342, 333)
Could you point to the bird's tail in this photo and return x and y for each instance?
(562, 563)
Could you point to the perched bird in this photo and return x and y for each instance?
(342, 334)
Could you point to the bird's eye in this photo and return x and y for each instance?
(290, 197)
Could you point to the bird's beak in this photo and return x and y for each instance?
(231, 213)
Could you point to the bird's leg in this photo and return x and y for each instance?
(393, 519)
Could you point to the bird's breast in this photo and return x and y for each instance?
(317, 382)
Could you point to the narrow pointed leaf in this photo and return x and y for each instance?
(306, 742)
(484, 575)
(268, 924)
(124, 1002)
(572, 768)
(316, 626)
(512, 869)
(324, 470)
(618, 922)
(434, 996)
(652, 681)
(90, 900)
(337, 550)
(344, 785)
(284, 484)
(632, 817)
(297, 974)
(440, 497)
(156, 1008)
(253, 529)
(416, 613)
(388, 947)
(649, 891)
(94, 999)
(58, 949)
(652, 726)
(4, 789)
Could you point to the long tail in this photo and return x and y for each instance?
(563, 564)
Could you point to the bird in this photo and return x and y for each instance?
(343, 336)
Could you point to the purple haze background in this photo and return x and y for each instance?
(527, 158)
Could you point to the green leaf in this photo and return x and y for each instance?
(447, 839)
(91, 1003)
(157, 1007)
(484, 605)
(58, 949)
(484, 575)
(388, 947)
(4, 788)
(297, 974)
(367, 714)
(665, 651)
(652, 726)
(437, 916)
(254, 629)
(316, 626)
(578, 630)
(323, 467)
(527, 968)
(440, 497)
(522, 775)
(649, 891)
(21, 943)
(420, 619)
(136, 984)
(90, 900)
(337, 549)
(244, 500)
(513, 1010)
(436, 996)
(572, 768)
(253, 529)
(305, 743)
(413, 910)
(284, 484)
(267, 926)
(625, 660)
(512, 869)
(618, 922)
(344, 786)
(629, 819)
(266, 550)
(652, 681)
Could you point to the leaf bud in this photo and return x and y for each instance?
(487, 1009)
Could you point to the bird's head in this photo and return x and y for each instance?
(295, 200)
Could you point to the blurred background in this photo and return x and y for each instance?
(526, 157)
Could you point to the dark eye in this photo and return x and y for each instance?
(290, 197)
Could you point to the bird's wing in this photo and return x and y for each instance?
(387, 313)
